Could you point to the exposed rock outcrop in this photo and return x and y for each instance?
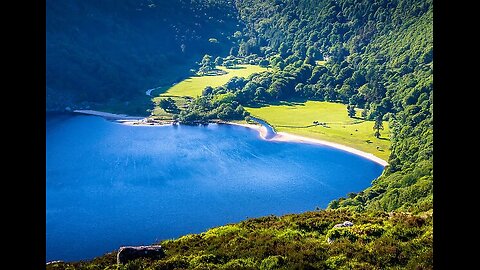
(344, 224)
(128, 253)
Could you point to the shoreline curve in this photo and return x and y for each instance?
(288, 137)
(278, 136)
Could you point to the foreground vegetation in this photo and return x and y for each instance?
(375, 241)
(333, 124)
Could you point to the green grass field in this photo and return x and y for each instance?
(193, 86)
(297, 118)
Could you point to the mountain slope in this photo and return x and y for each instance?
(98, 51)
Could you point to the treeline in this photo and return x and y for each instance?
(98, 51)
(374, 55)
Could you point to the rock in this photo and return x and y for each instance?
(68, 109)
(54, 262)
(344, 224)
(347, 224)
(128, 253)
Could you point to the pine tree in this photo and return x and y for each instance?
(377, 126)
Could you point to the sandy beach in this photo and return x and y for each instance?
(287, 137)
(261, 129)
(279, 136)
(109, 115)
(123, 118)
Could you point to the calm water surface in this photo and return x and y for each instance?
(109, 185)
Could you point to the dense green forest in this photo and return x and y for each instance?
(379, 57)
(105, 51)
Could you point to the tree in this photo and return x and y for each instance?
(264, 63)
(168, 104)
(351, 110)
(229, 63)
(260, 94)
(207, 91)
(377, 126)
(218, 61)
(206, 65)
(283, 49)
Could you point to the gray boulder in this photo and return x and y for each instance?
(344, 224)
(126, 254)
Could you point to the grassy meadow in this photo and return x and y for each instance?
(193, 86)
(292, 117)
(298, 117)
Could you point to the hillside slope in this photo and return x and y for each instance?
(103, 51)
(379, 57)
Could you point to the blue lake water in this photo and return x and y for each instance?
(109, 184)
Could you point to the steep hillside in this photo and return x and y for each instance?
(374, 55)
(302, 241)
(105, 51)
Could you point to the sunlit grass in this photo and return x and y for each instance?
(193, 86)
(298, 117)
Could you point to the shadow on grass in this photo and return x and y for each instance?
(259, 104)
(236, 67)
(308, 126)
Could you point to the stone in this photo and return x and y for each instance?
(54, 262)
(344, 224)
(128, 253)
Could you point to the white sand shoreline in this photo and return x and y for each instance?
(287, 137)
(123, 118)
(109, 115)
(279, 136)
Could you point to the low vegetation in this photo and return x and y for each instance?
(376, 240)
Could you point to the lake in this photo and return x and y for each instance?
(109, 185)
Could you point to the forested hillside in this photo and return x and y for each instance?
(373, 55)
(379, 57)
(102, 51)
